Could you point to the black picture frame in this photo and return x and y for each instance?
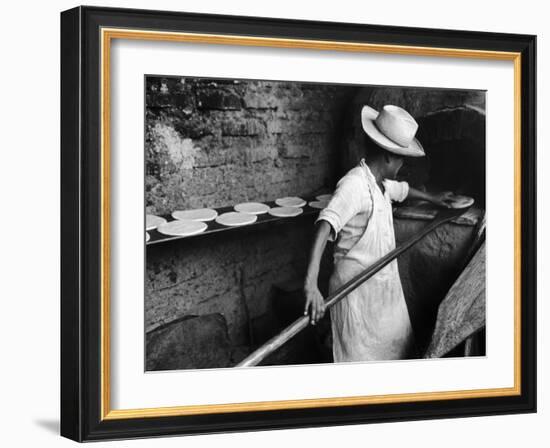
(81, 209)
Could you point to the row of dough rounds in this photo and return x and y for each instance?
(192, 222)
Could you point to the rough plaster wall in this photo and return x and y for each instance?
(422, 101)
(429, 269)
(213, 143)
(232, 276)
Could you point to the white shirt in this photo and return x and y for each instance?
(371, 322)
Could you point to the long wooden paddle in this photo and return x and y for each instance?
(302, 322)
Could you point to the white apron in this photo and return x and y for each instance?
(372, 322)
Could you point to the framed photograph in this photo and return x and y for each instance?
(275, 224)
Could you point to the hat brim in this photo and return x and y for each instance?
(368, 116)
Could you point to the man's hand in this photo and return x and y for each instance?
(443, 199)
(315, 304)
(314, 300)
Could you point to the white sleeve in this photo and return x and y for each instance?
(345, 203)
(397, 191)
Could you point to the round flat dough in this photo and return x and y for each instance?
(153, 221)
(318, 204)
(459, 201)
(182, 228)
(252, 208)
(290, 201)
(147, 236)
(236, 219)
(285, 212)
(199, 214)
(324, 197)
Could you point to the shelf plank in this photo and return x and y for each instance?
(214, 227)
(425, 212)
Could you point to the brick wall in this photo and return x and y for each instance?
(213, 143)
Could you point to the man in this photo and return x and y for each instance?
(372, 322)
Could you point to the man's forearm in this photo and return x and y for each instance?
(422, 195)
(317, 249)
(442, 199)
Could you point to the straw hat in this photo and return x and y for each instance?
(393, 129)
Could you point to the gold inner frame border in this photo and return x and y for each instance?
(107, 35)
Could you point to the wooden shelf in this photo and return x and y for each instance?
(215, 228)
(424, 212)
